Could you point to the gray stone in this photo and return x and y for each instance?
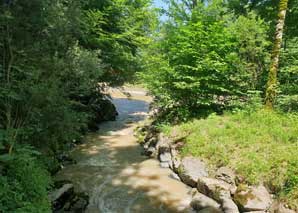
(191, 169)
(252, 198)
(200, 202)
(213, 188)
(164, 164)
(163, 143)
(226, 174)
(210, 210)
(228, 205)
(173, 175)
(164, 154)
(255, 212)
(58, 193)
(150, 151)
(176, 161)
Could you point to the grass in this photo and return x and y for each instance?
(260, 146)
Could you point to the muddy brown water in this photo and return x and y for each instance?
(112, 171)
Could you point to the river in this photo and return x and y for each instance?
(112, 171)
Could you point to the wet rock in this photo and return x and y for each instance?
(165, 157)
(216, 189)
(150, 151)
(79, 203)
(164, 164)
(173, 175)
(252, 198)
(152, 142)
(102, 110)
(61, 195)
(65, 159)
(164, 154)
(200, 202)
(191, 169)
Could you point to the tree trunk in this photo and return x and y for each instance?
(194, 3)
(272, 78)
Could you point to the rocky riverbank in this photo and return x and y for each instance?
(214, 189)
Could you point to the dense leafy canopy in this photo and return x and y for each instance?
(54, 54)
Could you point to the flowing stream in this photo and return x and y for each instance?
(112, 171)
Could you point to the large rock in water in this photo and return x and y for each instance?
(60, 196)
(102, 110)
(191, 169)
(252, 198)
(65, 199)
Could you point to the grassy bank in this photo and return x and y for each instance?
(260, 146)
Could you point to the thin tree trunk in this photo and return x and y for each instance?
(194, 3)
(272, 78)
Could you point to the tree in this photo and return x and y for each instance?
(272, 78)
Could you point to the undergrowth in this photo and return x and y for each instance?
(260, 146)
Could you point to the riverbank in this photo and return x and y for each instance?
(253, 151)
(112, 172)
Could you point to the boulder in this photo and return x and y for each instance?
(200, 202)
(150, 151)
(210, 210)
(176, 161)
(213, 188)
(165, 157)
(164, 154)
(226, 174)
(164, 164)
(79, 203)
(102, 110)
(254, 198)
(228, 205)
(173, 175)
(61, 195)
(191, 169)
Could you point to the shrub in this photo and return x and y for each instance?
(23, 183)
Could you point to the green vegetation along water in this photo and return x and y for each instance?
(111, 169)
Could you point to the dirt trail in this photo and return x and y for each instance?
(113, 172)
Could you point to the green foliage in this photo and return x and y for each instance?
(259, 145)
(252, 41)
(288, 77)
(54, 54)
(23, 183)
(206, 61)
(118, 28)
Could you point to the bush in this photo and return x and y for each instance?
(23, 183)
(205, 61)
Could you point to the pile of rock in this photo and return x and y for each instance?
(65, 199)
(214, 191)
